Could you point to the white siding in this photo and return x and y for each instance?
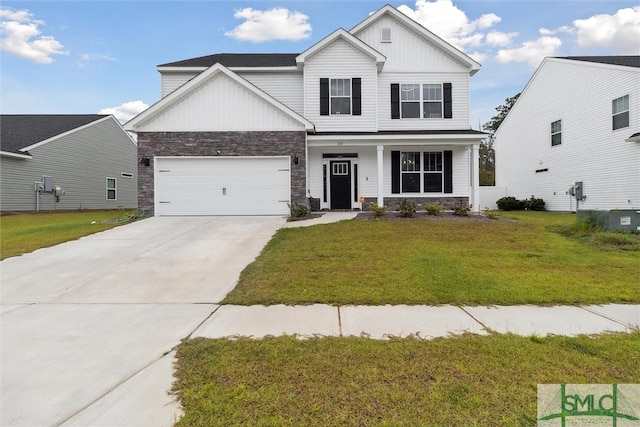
(459, 94)
(341, 60)
(408, 51)
(286, 87)
(221, 104)
(579, 94)
(171, 81)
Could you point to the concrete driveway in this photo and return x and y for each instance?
(88, 326)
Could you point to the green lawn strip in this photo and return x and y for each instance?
(438, 262)
(466, 380)
(26, 232)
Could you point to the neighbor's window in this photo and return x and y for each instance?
(421, 101)
(620, 110)
(410, 162)
(111, 189)
(556, 133)
(340, 96)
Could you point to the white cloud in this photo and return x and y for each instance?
(532, 52)
(446, 20)
(498, 38)
(619, 32)
(21, 36)
(273, 24)
(86, 58)
(478, 56)
(126, 111)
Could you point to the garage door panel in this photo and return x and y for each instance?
(222, 186)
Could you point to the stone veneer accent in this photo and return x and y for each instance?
(393, 202)
(160, 144)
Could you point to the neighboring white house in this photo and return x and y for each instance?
(577, 120)
(66, 162)
(378, 113)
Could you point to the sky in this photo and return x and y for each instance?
(88, 57)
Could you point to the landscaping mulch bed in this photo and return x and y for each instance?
(423, 216)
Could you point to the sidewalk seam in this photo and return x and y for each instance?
(339, 322)
(485, 327)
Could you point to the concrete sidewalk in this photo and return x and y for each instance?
(380, 322)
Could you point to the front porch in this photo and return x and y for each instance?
(346, 172)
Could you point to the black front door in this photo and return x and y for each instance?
(340, 184)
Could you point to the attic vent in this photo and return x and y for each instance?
(385, 35)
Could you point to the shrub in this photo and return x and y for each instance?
(406, 209)
(461, 209)
(433, 208)
(534, 204)
(509, 203)
(491, 214)
(297, 210)
(378, 211)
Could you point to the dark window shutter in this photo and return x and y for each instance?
(448, 103)
(395, 101)
(448, 171)
(324, 97)
(356, 96)
(395, 172)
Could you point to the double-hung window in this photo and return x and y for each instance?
(620, 111)
(410, 162)
(111, 189)
(340, 96)
(556, 133)
(421, 101)
(433, 172)
(432, 101)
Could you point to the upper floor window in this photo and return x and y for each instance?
(427, 101)
(620, 111)
(556, 133)
(340, 96)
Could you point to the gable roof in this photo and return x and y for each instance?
(342, 34)
(20, 131)
(389, 10)
(625, 61)
(194, 84)
(238, 60)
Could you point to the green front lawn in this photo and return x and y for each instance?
(26, 232)
(441, 262)
(461, 381)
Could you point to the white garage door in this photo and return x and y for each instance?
(222, 186)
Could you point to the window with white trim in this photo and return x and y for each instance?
(433, 172)
(111, 189)
(556, 133)
(340, 96)
(620, 112)
(410, 171)
(421, 101)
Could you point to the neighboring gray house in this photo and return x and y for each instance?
(378, 113)
(89, 159)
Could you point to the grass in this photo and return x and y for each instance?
(26, 232)
(523, 261)
(466, 380)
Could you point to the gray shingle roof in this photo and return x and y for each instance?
(626, 61)
(231, 60)
(22, 130)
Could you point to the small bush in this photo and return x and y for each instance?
(378, 211)
(461, 209)
(509, 203)
(297, 210)
(533, 204)
(491, 214)
(406, 209)
(433, 208)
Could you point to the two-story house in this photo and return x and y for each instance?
(577, 121)
(378, 113)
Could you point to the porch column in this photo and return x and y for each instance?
(380, 175)
(475, 178)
